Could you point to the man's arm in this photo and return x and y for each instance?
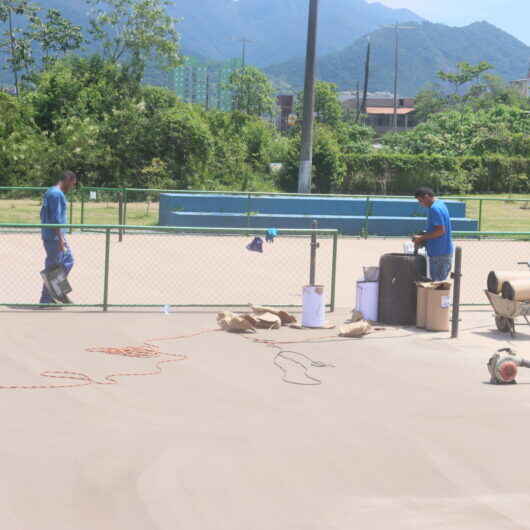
(438, 231)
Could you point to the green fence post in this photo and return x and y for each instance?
(367, 214)
(334, 271)
(106, 280)
(125, 199)
(480, 215)
(72, 202)
(120, 216)
(82, 220)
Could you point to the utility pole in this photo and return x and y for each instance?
(397, 27)
(244, 41)
(357, 104)
(207, 102)
(306, 153)
(396, 70)
(366, 77)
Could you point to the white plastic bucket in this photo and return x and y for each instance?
(314, 306)
(371, 274)
(367, 302)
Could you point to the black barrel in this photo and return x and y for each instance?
(397, 288)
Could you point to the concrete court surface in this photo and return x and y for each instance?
(403, 433)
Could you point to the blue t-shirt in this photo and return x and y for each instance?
(53, 212)
(439, 216)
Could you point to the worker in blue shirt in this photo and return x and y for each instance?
(438, 238)
(54, 211)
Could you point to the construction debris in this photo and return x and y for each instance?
(355, 330)
(233, 323)
(285, 317)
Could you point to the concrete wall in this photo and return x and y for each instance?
(348, 225)
(385, 216)
(296, 205)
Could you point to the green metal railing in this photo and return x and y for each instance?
(124, 206)
(108, 231)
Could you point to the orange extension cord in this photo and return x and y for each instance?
(147, 351)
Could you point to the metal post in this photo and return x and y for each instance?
(367, 214)
(125, 200)
(396, 68)
(334, 271)
(71, 216)
(106, 280)
(120, 216)
(313, 262)
(457, 276)
(82, 220)
(480, 215)
(306, 153)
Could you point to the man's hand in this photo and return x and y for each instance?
(62, 245)
(418, 240)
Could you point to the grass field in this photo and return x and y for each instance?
(497, 215)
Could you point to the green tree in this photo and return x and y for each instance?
(14, 41)
(428, 102)
(252, 92)
(328, 109)
(135, 32)
(466, 73)
(55, 34)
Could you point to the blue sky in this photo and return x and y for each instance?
(510, 15)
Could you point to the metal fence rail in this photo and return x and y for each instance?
(180, 267)
(132, 206)
(488, 251)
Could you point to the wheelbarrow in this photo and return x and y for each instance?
(506, 311)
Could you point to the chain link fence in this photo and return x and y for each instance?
(166, 266)
(140, 207)
(489, 252)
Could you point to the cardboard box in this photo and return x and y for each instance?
(421, 314)
(434, 302)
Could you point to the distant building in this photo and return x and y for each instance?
(380, 112)
(523, 85)
(206, 83)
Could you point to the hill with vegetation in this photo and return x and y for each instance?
(424, 50)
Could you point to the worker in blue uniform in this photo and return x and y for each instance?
(54, 212)
(438, 236)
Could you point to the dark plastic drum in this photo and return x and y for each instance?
(397, 288)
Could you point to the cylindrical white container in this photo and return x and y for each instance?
(314, 307)
(368, 300)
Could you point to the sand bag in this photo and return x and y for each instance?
(355, 330)
(234, 323)
(356, 316)
(518, 290)
(496, 279)
(285, 317)
(267, 321)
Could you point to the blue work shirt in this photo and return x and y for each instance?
(439, 216)
(53, 212)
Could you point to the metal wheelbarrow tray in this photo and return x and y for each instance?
(506, 311)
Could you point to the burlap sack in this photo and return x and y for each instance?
(267, 321)
(355, 330)
(356, 316)
(285, 317)
(234, 323)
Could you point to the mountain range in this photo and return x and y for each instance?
(277, 28)
(425, 49)
(212, 29)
